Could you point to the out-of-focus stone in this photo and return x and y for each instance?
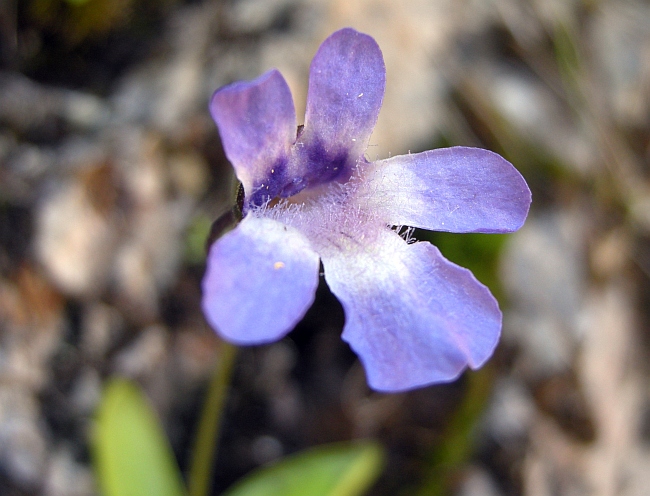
(195, 354)
(249, 16)
(163, 93)
(66, 477)
(23, 449)
(619, 36)
(477, 482)
(31, 317)
(531, 109)
(147, 261)
(145, 355)
(181, 82)
(76, 225)
(102, 325)
(276, 382)
(26, 105)
(544, 274)
(615, 462)
(149, 254)
(24, 168)
(265, 449)
(86, 392)
(610, 253)
(562, 396)
(640, 208)
(189, 173)
(520, 20)
(75, 240)
(510, 413)
(554, 12)
(85, 111)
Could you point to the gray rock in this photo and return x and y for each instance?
(544, 273)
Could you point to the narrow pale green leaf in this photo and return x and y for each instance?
(343, 469)
(132, 456)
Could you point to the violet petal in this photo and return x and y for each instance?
(257, 124)
(413, 317)
(346, 87)
(260, 280)
(455, 189)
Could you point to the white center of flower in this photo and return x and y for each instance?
(330, 216)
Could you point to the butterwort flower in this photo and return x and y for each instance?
(413, 317)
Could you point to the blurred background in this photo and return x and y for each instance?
(111, 172)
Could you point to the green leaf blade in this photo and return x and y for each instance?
(131, 454)
(345, 469)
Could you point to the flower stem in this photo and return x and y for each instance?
(458, 443)
(207, 434)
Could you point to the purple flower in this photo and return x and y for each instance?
(412, 317)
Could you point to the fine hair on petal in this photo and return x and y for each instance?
(330, 216)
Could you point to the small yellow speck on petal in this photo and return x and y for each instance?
(278, 265)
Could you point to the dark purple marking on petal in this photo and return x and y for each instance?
(346, 87)
(413, 317)
(270, 187)
(260, 280)
(456, 189)
(324, 164)
(257, 124)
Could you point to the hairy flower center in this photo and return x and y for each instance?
(330, 216)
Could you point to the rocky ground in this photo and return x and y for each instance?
(111, 171)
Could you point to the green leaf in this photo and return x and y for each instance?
(132, 456)
(345, 469)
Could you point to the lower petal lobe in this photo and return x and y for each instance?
(260, 280)
(456, 189)
(413, 317)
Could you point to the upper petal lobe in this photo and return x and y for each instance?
(257, 124)
(456, 189)
(413, 317)
(346, 86)
(260, 280)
